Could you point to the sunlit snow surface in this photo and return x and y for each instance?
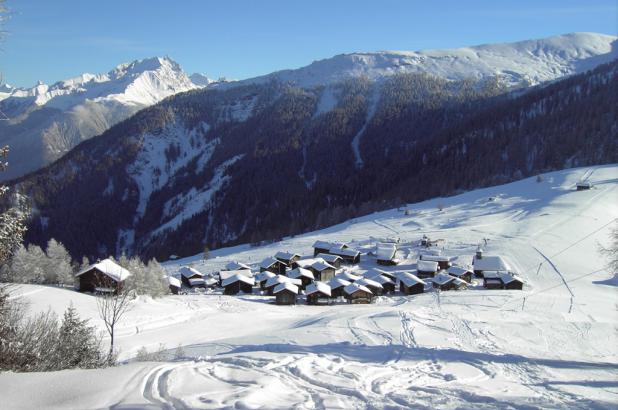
(552, 345)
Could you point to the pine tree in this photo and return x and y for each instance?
(78, 344)
(12, 228)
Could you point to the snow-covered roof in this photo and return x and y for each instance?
(238, 277)
(237, 266)
(320, 266)
(492, 274)
(188, 271)
(458, 271)
(307, 262)
(286, 255)
(196, 281)
(318, 287)
(381, 279)
(265, 275)
(300, 272)
(426, 266)
(409, 279)
(210, 281)
(268, 262)
(173, 281)
(275, 280)
(109, 268)
(369, 282)
(375, 272)
(347, 276)
(434, 258)
(442, 279)
(335, 283)
(508, 278)
(328, 257)
(344, 252)
(323, 244)
(490, 263)
(286, 286)
(224, 274)
(386, 251)
(353, 288)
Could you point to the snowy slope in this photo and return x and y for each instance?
(552, 345)
(46, 121)
(522, 63)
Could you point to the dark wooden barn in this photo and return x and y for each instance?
(445, 282)
(336, 286)
(333, 260)
(238, 283)
(386, 254)
(410, 284)
(426, 269)
(492, 280)
(512, 282)
(322, 271)
(318, 293)
(356, 294)
(304, 275)
(285, 293)
(461, 273)
(174, 285)
(273, 265)
(374, 286)
(104, 276)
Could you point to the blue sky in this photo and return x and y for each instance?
(50, 40)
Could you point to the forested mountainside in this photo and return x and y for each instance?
(259, 161)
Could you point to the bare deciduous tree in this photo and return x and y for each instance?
(111, 307)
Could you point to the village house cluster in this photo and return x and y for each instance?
(329, 275)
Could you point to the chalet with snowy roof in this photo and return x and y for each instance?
(273, 265)
(262, 277)
(237, 283)
(388, 285)
(224, 274)
(443, 281)
(322, 271)
(426, 269)
(174, 284)
(482, 263)
(105, 276)
(410, 284)
(374, 286)
(305, 276)
(337, 285)
(356, 293)
(237, 266)
(492, 280)
(375, 271)
(460, 272)
(322, 247)
(444, 262)
(318, 293)
(285, 293)
(333, 260)
(271, 283)
(386, 254)
(349, 276)
(347, 254)
(287, 257)
(510, 281)
(583, 185)
(192, 277)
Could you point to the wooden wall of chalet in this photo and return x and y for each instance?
(237, 287)
(360, 296)
(285, 297)
(412, 290)
(94, 278)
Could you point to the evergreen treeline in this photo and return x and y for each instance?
(422, 137)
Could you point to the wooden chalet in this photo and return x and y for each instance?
(374, 286)
(356, 293)
(583, 185)
(386, 254)
(262, 277)
(444, 262)
(322, 271)
(238, 283)
(426, 269)
(271, 283)
(285, 293)
(322, 247)
(191, 277)
(511, 281)
(174, 284)
(288, 258)
(318, 293)
(333, 260)
(410, 284)
(273, 265)
(237, 266)
(337, 285)
(461, 273)
(492, 280)
(349, 276)
(305, 275)
(104, 277)
(443, 281)
(482, 263)
(348, 255)
(224, 274)
(375, 272)
(388, 285)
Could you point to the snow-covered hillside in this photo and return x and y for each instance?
(522, 63)
(552, 345)
(46, 121)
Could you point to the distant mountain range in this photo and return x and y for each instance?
(297, 150)
(46, 121)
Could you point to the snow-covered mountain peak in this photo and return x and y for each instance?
(201, 80)
(521, 63)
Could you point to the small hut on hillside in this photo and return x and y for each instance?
(461, 273)
(318, 293)
(349, 276)
(322, 247)
(224, 274)
(583, 185)
(305, 276)
(374, 286)
(482, 263)
(235, 265)
(174, 284)
(357, 294)
(386, 254)
(285, 293)
(388, 285)
(511, 281)
(443, 281)
(426, 269)
(273, 265)
(271, 283)
(105, 276)
(444, 262)
(192, 277)
(322, 271)
(237, 283)
(337, 285)
(376, 271)
(333, 260)
(410, 284)
(288, 258)
(262, 277)
(348, 255)
(492, 280)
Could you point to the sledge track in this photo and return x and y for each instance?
(566, 285)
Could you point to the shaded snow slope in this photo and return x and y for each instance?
(552, 345)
